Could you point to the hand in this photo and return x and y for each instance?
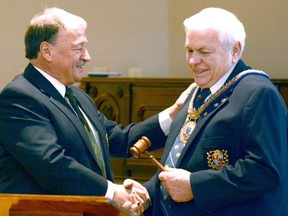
(132, 196)
(137, 188)
(141, 191)
(127, 198)
(177, 183)
(175, 108)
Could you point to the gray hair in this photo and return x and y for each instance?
(228, 26)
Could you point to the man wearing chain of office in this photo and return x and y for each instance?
(226, 152)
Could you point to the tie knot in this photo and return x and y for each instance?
(69, 93)
(203, 94)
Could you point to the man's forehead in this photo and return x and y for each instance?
(78, 36)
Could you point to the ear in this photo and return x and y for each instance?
(46, 50)
(236, 51)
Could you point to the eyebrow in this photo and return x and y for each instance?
(201, 48)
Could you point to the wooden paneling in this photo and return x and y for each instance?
(282, 86)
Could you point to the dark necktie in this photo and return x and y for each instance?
(73, 102)
(202, 95)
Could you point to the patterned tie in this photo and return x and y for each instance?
(171, 162)
(200, 99)
(96, 147)
(175, 154)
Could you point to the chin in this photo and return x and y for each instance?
(199, 82)
(78, 77)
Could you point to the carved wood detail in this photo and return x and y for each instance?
(108, 105)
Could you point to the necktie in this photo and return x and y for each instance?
(200, 99)
(171, 162)
(175, 153)
(97, 149)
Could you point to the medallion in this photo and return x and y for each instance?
(186, 131)
(216, 159)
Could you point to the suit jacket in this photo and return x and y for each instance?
(249, 126)
(43, 146)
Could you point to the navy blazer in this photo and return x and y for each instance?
(43, 146)
(250, 125)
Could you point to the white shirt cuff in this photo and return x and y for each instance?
(110, 190)
(165, 121)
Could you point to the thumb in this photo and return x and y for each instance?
(128, 183)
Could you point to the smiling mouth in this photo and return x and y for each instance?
(199, 71)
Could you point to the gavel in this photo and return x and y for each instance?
(141, 147)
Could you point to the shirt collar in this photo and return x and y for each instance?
(58, 85)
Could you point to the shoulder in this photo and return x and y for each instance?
(257, 88)
(18, 86)
(251, 79)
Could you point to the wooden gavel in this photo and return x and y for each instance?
(140, 147)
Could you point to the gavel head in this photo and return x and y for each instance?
(140, 147)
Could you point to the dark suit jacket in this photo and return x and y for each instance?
(251, 124)
(43, 146)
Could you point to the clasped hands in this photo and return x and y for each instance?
(132, 196)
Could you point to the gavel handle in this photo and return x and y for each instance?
(159, 165)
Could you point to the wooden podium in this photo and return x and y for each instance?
(44, 205)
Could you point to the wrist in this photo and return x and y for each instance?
(110, 190)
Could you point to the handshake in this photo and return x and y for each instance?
(132, 196)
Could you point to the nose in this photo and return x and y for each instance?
(85, 56)
(194, 58)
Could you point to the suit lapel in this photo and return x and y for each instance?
(176, 127)
(93, 117)
(40, 82)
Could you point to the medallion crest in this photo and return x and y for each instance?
(216, 159)
(186, 131)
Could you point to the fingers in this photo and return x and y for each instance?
(138, 196)
(142, 197)
(127, 205)
(188, 90)
(137, 188)
(192, 86)
(134, 208)
(135, 198)
(186, 93)
(177, 106)
(141, 190)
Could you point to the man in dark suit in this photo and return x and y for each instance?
(53, 140)
(226, 152)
